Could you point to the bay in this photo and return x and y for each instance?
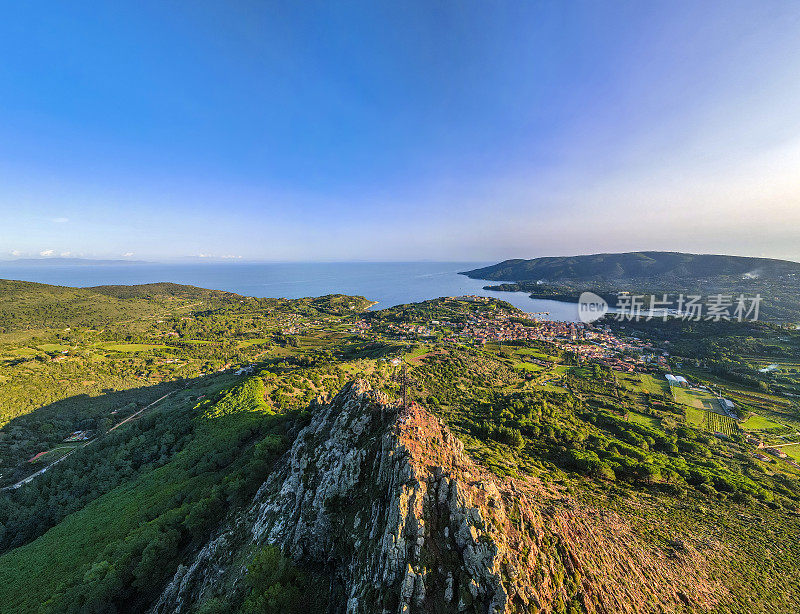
(388, 283)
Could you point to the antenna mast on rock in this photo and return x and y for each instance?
(404, 375)
(402, 378)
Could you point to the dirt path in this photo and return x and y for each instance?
(133, 415)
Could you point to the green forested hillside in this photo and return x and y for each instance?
(83, 359)
(633, 265)
(776, 282)
(167, 483)
(30, 305)
(179, 436)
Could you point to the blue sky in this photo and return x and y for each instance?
(382, 131)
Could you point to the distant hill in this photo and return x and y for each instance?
(650, 266)
(564, 278)
(26, 304)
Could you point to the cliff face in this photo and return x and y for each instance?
(385, 502)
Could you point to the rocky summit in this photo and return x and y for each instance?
(382, 501)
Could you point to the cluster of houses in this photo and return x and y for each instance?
(499, 328)
(625, 364)
(470, 298)
(361, 326)
(602, 346)
(588, 341)
(774, 451)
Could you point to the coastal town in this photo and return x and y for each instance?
(587, 341)
(482, 325)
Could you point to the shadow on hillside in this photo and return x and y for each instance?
(47, 427)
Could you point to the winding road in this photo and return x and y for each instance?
(31, 477)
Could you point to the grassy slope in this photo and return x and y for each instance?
(61, 558)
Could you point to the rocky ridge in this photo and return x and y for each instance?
(385, 502)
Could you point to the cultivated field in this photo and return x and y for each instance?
(757, 422)
(793, 451)
(718, 423)
(698, 399)
(642, 419)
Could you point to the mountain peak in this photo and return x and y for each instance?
(384, 502)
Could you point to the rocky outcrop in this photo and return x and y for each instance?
(385, 501)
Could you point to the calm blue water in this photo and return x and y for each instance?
(389, 283)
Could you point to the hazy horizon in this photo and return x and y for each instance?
(224, 260)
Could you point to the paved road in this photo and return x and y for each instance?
(31, 477)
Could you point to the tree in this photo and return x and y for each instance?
(648, 472)
(602, 471)
(276, 586)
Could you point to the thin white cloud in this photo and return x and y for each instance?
(16, 252)
(47, 252)
(127, 254)
(66, 254)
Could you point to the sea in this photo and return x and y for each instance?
(388, 283)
